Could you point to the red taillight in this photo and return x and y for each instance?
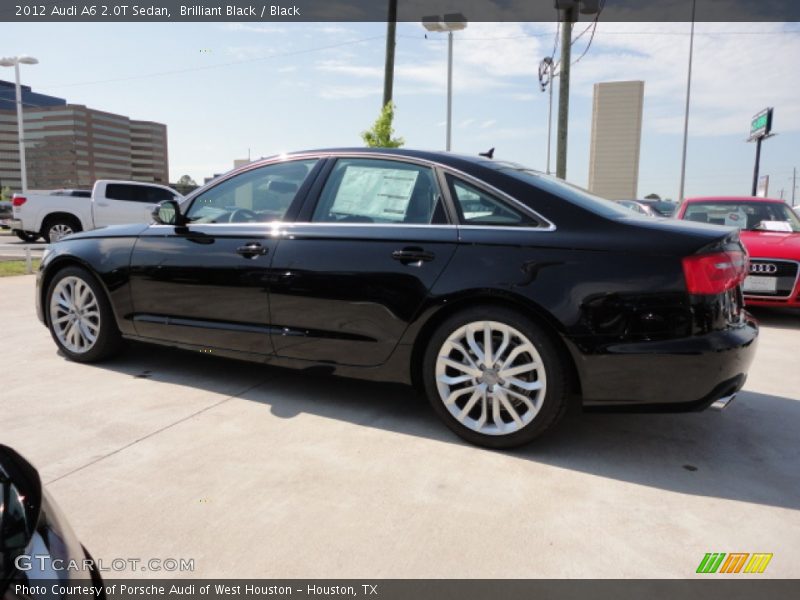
(714, 273)
(18, 200)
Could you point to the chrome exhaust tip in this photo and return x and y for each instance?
(723, 402)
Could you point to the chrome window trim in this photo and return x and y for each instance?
(273, 224)
(784, 260)
(546, 227)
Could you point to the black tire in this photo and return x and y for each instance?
(26, 236)
(551, 405)
(59, 226)
(108, 340)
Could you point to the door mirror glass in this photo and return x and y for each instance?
(168, 212)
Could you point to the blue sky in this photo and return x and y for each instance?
(224, 88)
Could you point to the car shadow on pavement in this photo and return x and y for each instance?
(749, 452)
(780, 318)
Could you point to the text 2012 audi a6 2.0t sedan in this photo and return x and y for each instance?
(501, 292)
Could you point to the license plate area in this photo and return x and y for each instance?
(755, 283)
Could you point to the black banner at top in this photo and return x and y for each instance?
(407, 10)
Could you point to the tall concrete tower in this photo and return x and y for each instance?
(616, 139)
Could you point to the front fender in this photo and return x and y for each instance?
(107, 258)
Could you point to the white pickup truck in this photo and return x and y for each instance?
(52, 215)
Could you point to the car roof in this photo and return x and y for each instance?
(439, 156)
(732, 199)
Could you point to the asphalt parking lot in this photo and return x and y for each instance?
(254, 471)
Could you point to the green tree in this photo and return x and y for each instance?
(5, 193)
(380, 135)
(185, 185)
(652, 197)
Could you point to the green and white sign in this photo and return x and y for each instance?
(761, 125)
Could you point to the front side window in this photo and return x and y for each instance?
(750, 216)
(259, 195)
(380, 191)
(478, 207)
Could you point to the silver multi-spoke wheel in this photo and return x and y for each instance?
(490, 377)
(75, 314)
(58, 231)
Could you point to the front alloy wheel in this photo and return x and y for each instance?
(80, 317)
(494, 377)
(75, 314)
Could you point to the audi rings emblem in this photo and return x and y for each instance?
(763, 268)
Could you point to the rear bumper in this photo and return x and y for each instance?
(675, 375)
(15, 224)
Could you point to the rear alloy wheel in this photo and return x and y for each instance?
(80, 318)
(494, 377)
(59, 228)
(27, 237)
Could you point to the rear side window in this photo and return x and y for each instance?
(362, 190)
(137, 193)
(478, 207)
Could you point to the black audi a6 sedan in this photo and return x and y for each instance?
(501, 292)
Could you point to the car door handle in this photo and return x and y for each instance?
(102, 204)
(251, 250)
(409, 256)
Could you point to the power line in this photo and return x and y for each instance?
(219, 65)
(678, 33)
(594, 30)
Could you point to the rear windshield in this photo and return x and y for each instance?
(746, 215)
(574, 194)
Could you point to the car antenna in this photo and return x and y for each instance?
(489, 154)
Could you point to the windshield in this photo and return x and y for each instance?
(749, 216)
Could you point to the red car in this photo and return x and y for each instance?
(770, 230)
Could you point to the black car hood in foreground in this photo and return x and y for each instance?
(33, 532)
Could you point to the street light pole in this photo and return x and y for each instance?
(686, 112)
(21, 131)
(449, 23)
(15, 62)
(449, 90)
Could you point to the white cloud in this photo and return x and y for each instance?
(250, 28)
(734, 74)
(350, 92)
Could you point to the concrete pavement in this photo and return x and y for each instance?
(254, 471)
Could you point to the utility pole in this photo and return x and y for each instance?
(391, 34)
(794, 183)
(563, 91)
(569, 9)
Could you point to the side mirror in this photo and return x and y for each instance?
(20, 500)
(167, 212)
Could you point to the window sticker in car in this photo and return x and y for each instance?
(380, 193)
